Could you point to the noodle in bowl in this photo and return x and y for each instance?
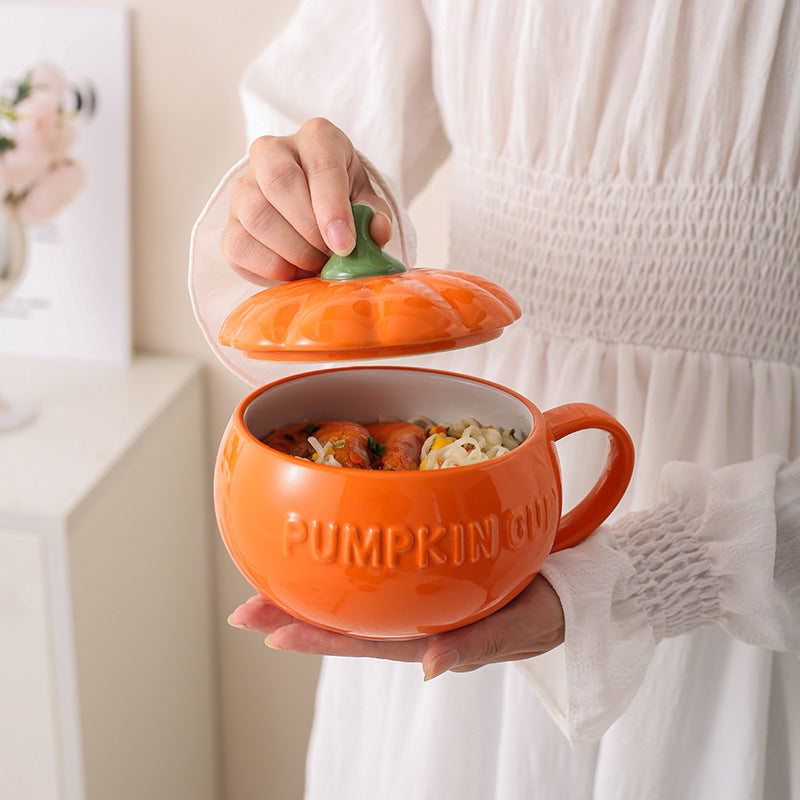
(447, 445)
(464, 442)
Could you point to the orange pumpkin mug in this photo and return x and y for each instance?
(398, 555)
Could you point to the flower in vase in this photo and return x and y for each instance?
(37, 129)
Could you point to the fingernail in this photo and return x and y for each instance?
(441, 664)
(240, 625)
(340, 237)
(268, 643)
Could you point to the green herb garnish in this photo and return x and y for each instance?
(375, 447)
(311, 429)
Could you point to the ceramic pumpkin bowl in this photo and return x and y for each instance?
(396, 555)
(400, 554)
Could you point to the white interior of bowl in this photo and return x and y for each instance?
(363, 394)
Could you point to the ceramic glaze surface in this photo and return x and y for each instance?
(395, 555)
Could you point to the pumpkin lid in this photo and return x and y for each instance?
(367, 305)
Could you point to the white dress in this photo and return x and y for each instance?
(629, 172)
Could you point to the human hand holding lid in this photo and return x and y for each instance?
(289, 213)
(291, 210)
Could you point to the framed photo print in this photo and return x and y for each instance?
(65, 182)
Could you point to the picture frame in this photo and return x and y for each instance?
(73, 299)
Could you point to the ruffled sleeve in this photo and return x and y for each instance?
(720, 548)
(384, 101)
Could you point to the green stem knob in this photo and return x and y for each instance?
(366, 259)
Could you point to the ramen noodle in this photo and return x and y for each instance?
(323, 454)
(466, 441)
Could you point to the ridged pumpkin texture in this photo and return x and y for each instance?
(418, 311)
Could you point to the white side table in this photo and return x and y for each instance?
(106, 676)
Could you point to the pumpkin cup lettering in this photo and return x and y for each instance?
(376, 547)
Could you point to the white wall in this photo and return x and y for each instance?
(187, 130)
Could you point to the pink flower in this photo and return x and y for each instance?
(50, 193)
(47, 74)
(48, 132)
(23, 166)
(47, 87)
(41, 102)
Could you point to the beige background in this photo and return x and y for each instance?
(187, 130)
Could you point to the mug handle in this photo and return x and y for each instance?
(603, 497)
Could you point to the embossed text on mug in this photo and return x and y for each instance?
(424, 546)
